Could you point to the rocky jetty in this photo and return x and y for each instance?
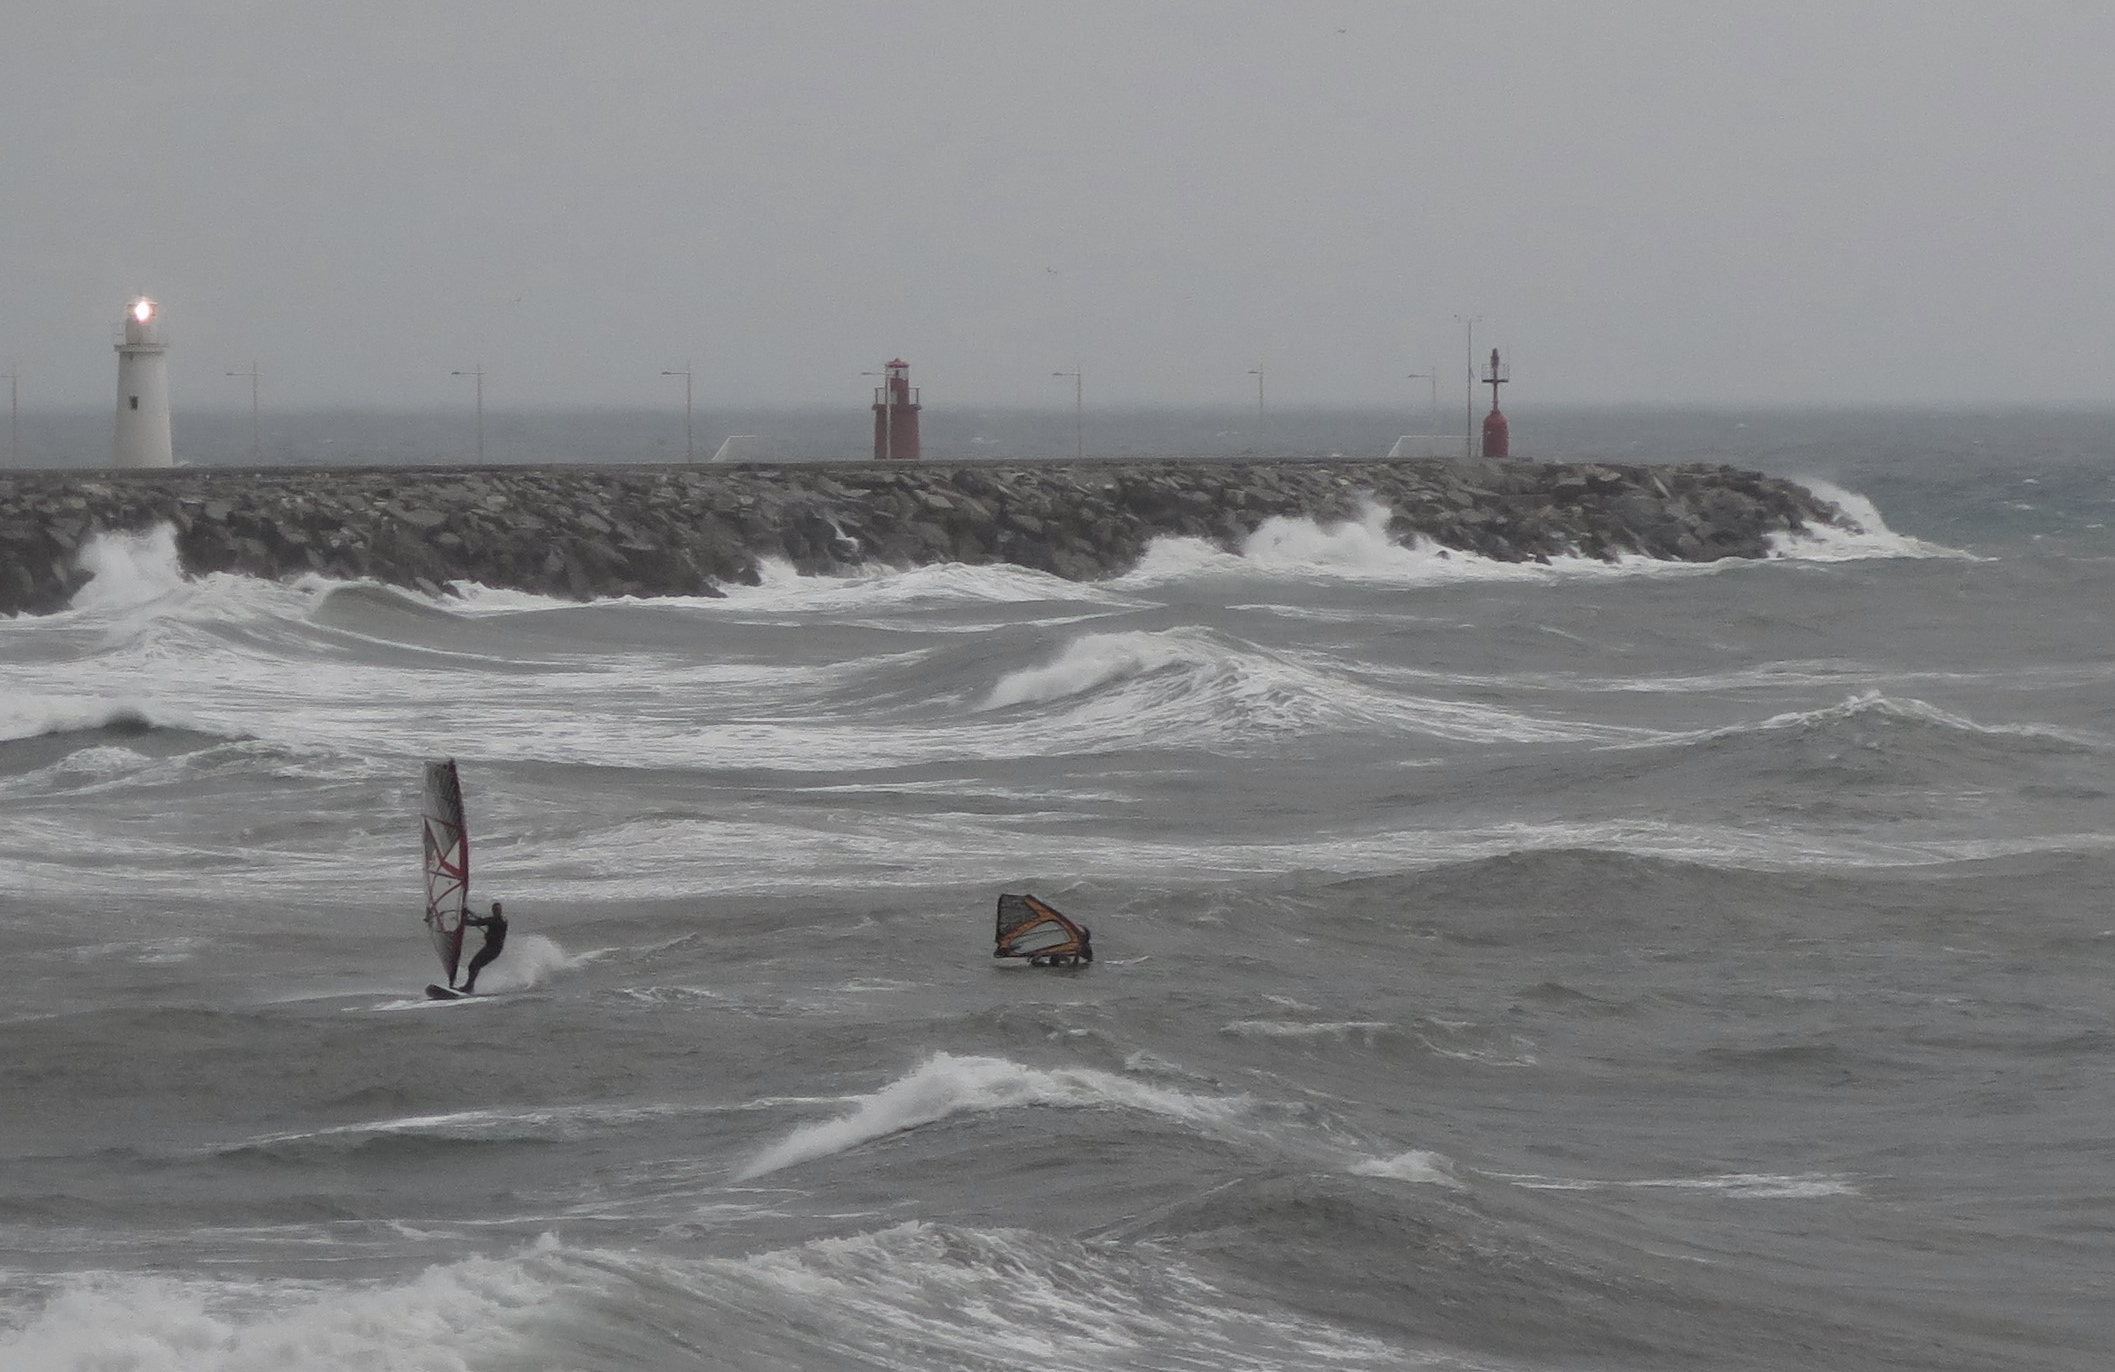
(586, 531)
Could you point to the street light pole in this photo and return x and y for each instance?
(1079, 411)
(480, 375)
(690, 450)
(887, 401)
(14, 414)
(1257, 372)
(256, 433)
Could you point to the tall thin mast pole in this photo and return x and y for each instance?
(1079, 410)
(14, 414)
(480, 375)
(690, 450)
(1468, 390)
(256, 433)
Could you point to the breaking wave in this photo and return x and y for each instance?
(1728, 1185)
(1417, 1165)
(1177, 685)
(1872, 708)
(945, 1085)
(1870, 538)
(1361, 550)
(911, 1295)
(449, 1317)
(128, 570)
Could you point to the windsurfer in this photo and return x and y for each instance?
(1032, 929)
(495, 927)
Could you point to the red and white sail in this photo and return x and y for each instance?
(447, 863)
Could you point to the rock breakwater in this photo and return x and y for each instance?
(587, 531)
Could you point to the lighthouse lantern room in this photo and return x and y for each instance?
(896, 414)
(143, 391)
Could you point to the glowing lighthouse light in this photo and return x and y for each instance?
(143, 391)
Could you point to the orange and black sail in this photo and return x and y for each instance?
(1030, 929)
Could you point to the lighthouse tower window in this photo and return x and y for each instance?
(135, 402)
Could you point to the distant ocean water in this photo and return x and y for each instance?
(1513, 967)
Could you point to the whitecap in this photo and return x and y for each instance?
(1868, 536)
(1419, 1165)
(1730, 1185)
(945, 1085)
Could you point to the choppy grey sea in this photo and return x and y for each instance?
(1501, 967)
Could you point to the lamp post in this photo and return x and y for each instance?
(887, 401)
(256, 433)
(479, 373)
(1431, 374)
(690, 449)
(1079, 411)
(1257, 372)
(1468, 390)
(14, 415)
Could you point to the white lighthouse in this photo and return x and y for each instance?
(143, 391)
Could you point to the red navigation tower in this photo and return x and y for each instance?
(1497, 442)
(896, 414)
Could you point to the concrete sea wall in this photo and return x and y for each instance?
(585, 531)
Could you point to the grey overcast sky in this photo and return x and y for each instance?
(1798, 201)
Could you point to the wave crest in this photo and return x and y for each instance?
(945, 1085)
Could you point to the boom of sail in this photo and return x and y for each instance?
(1028, 928)
(447, 863)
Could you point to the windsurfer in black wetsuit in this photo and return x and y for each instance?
(1086, 952)
(495, 927)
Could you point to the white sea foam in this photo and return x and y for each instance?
(449, 1318)
(1366, 1029)
(868, 589)
(175, 948)
(1871, 539)
(1096, 660)
(945, 1085)
(529, 960)
(925, 1295)
(1875, 705)
(910, 1295)
(1417, 1165)
(848, 850)
(1358, 548)
(1730, 1185)
(472, 598)
(128, 570)
(28, 714)
(1362, 550)
(136, 581)
(1174, 687)
(871, 587)
(852, 852)
(550, 1122)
